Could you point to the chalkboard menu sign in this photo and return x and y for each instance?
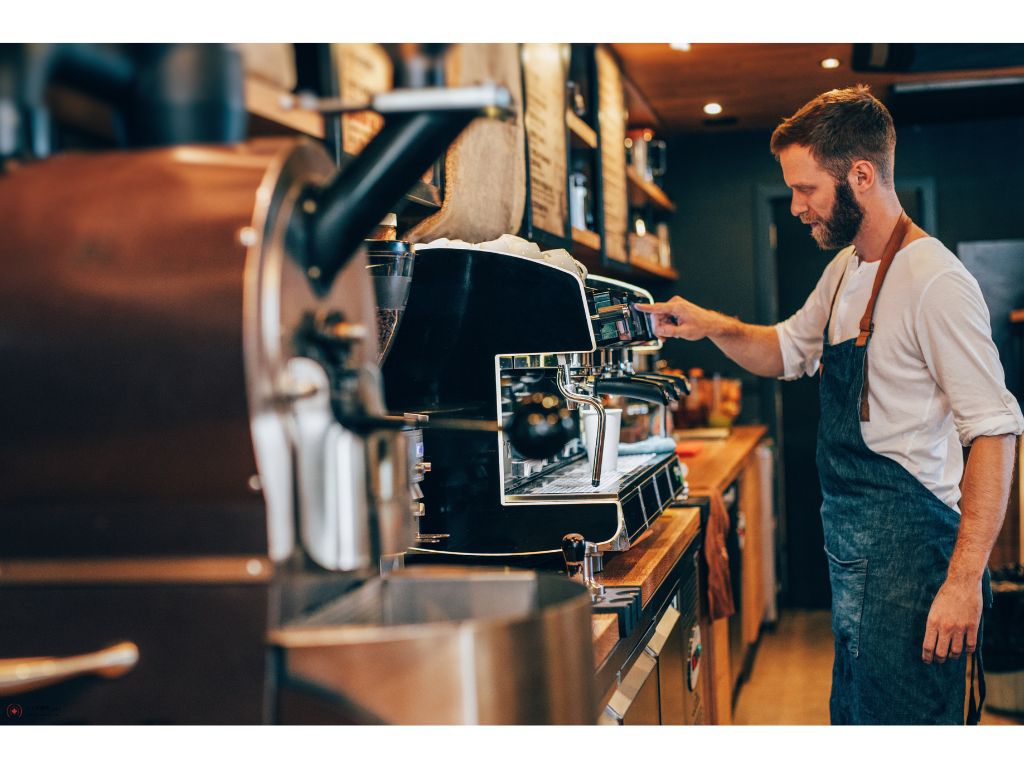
(612, 124)
(544, 75)
(364, 70)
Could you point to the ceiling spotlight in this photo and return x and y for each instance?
(830, 63)
(714, 108)
(679, 46)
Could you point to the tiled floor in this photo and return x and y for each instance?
(790, 680)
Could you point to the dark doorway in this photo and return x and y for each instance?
(798, 264)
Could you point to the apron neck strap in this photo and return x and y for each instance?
(867, 324)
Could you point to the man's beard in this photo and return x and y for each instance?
(843, 222)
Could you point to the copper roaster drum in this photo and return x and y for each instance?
(135, 287)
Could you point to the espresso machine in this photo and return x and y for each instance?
(489, 334)
(199, 474)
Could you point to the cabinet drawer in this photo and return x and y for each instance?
(635, 701)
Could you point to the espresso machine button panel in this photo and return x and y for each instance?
(616, 320)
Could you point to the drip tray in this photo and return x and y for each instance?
(574, 480)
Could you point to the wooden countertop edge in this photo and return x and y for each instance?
(646, 565)
(705, 480)
(605, 627)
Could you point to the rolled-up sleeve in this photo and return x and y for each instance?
(800, 336)
(955, 333)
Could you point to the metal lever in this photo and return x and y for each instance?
(564, 386)
(634, 388)
(672, 389)
(489, 99)
(679, 380)
(581, 561)
(29, 674)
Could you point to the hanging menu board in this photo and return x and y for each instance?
(612, 123)
(544, 76)
(364, 69)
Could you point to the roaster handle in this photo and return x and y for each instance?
(32, 673)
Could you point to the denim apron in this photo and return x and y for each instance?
(888, 540)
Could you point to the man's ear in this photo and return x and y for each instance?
(862, 175)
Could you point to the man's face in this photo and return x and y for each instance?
(828, 206)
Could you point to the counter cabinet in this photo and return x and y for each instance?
(653, 676)
(677, 666)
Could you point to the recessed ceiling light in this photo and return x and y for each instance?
(830, 63)
(714, 108)
(679, 46)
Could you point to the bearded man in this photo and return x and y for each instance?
(900, 334)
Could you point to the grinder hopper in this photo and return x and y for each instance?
(389, 263)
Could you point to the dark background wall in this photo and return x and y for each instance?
(978, 170)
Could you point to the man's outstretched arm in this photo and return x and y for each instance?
(755, 347)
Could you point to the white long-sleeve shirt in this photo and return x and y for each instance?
(936, 379)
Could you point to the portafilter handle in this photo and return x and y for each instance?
(574, 548)
(581, 561)
(538, 428)
(679, 380)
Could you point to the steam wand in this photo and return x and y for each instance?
(565, 386)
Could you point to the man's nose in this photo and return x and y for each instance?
(797, 207)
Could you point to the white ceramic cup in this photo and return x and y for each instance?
(612, 424)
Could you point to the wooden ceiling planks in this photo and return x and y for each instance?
(757, 84)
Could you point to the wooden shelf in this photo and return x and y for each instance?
(642, 191)
(263, 100)
(1017, 316)
(581, 134)
(587, 240)
(587, 250)
(654, 270)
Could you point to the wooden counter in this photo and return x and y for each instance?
(719, 464)
(655, 553)
(646, 565)
(721, 461)
(606, 635)
(651, 560)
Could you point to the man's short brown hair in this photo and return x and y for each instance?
(840, 127)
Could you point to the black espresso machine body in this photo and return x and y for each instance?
(483, 333)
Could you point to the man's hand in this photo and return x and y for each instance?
(755, 347)
(953, 621)
(679, 319)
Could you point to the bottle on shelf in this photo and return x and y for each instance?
(581, 215)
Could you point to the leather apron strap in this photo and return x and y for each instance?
(867, 323)
(977, 664)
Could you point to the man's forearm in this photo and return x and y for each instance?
(986, 490)
(755, 347)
